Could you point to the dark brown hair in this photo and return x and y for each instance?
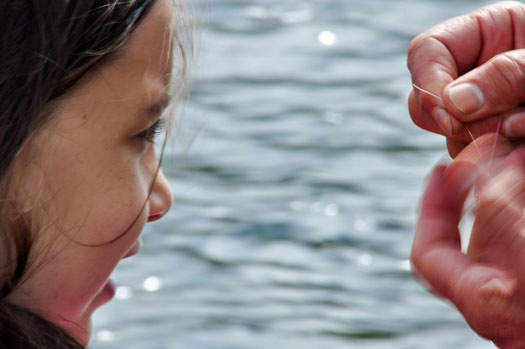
(47, 48)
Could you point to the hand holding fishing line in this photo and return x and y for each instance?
(487, 284)
(470, 70)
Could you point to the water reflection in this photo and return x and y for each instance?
(333, 118)
(123, 293)
(152, 284)
(105, 336)
(326, 38)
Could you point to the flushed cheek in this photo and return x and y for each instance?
(106, 192)
(88, 251)
(68, 283)
(76, 280)
(118, 206)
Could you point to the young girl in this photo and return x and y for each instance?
(82, 88)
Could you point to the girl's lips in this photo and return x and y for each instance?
(134, 250)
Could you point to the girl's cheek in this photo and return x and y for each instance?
(125, 224)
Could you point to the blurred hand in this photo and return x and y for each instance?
(473, 69)
(487, 284)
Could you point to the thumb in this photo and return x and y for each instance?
(492, 88)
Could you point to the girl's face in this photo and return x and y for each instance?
(87, 178)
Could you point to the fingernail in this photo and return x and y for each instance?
(445, 121)
(467, 97)
(515, 126)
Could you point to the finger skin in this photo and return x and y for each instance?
(501, 80)
(486, 288)
(500, 214)
(436, 251)
(454, 148)
(497, 241)
(484, 294)
(420, 118)
(487, 49)
(472, 162)
(504, 124)
(437, 57)
(473, 130)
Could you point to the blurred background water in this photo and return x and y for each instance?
(295, 206)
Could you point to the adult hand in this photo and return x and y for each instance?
(487, 284)
(470, 71)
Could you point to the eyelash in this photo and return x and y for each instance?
(150, 133)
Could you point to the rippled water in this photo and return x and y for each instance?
(295, 205)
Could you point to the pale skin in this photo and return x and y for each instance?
(86, 175)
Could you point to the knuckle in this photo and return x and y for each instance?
(422, 45)
(509, 68)
(413, 47)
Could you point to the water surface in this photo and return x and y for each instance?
(296, 204)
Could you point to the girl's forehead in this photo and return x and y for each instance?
(150, 47)
(141, 75)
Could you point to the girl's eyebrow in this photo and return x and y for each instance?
(154, 110)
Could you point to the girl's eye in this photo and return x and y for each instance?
(150, 133)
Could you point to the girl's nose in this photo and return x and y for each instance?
(160, 199)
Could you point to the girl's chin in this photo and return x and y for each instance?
(106, 293)
(82, 330)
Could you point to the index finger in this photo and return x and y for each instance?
(436, 250)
